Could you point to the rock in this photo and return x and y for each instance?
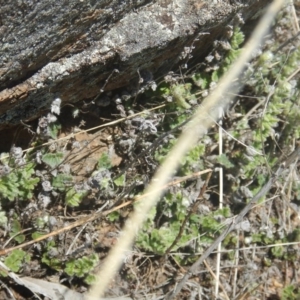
(73, 49)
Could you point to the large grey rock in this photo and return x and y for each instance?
(69, 48)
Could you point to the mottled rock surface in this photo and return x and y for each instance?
(69, 48)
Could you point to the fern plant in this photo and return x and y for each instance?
(16, 259)
(19, 183)
(82, 267)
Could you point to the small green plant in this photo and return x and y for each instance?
(3, 218)
(277, 251)
(82, 267)
(114, 216)
(53, 159)
(290, 292)
(224, 161)
(74, 197)
(15, 231)
(19, 183)
(120, 181)
(173, 210)
(16, 259)
(182, 92)
(49, 258)
(231, 55)
(104, 162)
(62, 181)
(53, 129)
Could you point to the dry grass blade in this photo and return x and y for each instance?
(218, 264)
(294, 17)
(216, 278)
(203, 119)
